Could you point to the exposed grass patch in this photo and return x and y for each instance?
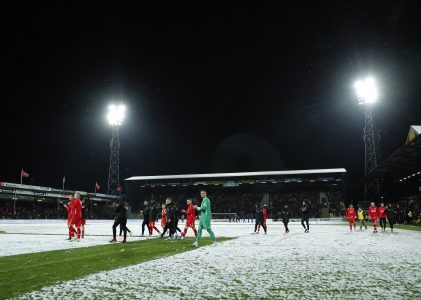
(409, 227)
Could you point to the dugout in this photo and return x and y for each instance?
(241, 191)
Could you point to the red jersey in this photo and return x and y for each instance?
(77, 209)
(164, 217)
(350, 213)
(191, 214)
(372, 211)
(264, 214)
(70, 211)
(67, 207)
(381, 212)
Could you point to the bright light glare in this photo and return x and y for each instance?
(115, 114)
(366, 91)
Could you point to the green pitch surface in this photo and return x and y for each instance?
(396, 226)
(408, 227)
(29, 272)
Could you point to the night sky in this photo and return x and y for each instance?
(207, 90)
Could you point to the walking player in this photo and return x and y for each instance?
(205, 218)
(262, 219)
(382, 214)
(145, 217)
(285, 218)
(361, 218)
(120, 219)
(69, 208)
(350, 214)
(163, 216)
(191, 218)
(153, 212)
(372, 212)
(77, 214)
(305, 215)
(391, 216)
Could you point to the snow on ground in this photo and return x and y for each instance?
(327, 263)
(29, 236)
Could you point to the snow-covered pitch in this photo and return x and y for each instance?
(328, 263)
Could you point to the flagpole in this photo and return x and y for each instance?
(21, 176)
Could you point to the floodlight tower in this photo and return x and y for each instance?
(367, 96)
(115, 118)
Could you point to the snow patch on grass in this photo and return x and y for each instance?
(328, 263)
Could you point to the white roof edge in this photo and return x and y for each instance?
(417, 128)
(240, 174)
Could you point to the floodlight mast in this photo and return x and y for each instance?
(115, 116)
(367, 94)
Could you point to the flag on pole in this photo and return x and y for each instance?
(97, 186)
(24, 174)
(64, 180)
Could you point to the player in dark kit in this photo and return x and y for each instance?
(261, 220)
(285, 218)
(145, 217)
(128, 230)
(256, 214)
(84, 213)
(305, 215)
(120, 219)
(391, 216)
(171, 215)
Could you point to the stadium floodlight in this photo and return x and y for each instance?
(115, 118)
(367, 95)
(366, 91)
(115, 114)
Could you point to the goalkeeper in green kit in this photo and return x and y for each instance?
(205, 219)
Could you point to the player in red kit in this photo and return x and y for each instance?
(191, 218)
(77, 214)
(69, 209)
(382, 214)
(163, 216)
(263, 214)
(372, 212)
(351, 216)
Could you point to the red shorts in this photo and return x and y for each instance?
(77, 222)
(374, 219)
(151, 223)
(190, 223)
(351, 220)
